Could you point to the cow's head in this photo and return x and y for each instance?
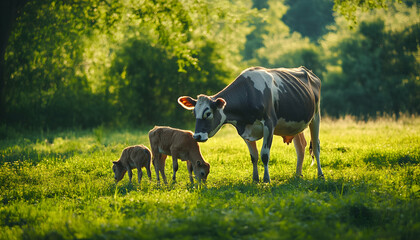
(208, 114)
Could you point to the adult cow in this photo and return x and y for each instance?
(261, 103)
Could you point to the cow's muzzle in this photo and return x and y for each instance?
(201, 137)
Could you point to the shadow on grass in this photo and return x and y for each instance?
(33, 156)
(336, 187)
(386, 159)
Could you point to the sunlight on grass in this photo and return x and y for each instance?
(62, 187)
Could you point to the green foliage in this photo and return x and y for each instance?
(371, 188)
(84, 63)
(349, 8)
(271, 43)
(116, 63)
(137, 81)
(378, 69)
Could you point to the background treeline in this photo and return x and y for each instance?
(85, 63)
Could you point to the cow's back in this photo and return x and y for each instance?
(259, 93)
(298, 94)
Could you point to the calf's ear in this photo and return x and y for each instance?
(187, 102)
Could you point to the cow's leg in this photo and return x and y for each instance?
(314, 127)
(300, 145)
(265, 150)
(190, 170)
(252, 146)
(175, 167)
(311, 152)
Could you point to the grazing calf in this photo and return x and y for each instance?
(179, 144)
(132, 157)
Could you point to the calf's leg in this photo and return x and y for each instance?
(139, 172)
(175, 167)
(190, 170)
(159, 164)
(162, 167)
(130, 173)
(149, 173)
(155, 161)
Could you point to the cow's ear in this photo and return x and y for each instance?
(187, 102)
(220, 103)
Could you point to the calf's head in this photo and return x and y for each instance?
(208, 113)
(201, 170)
(119, 171)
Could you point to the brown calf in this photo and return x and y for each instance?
(132, 157)
(179, 144)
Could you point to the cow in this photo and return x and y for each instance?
(179, 144)
(260, 103)
(132, 157)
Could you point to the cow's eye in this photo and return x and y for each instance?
(208, 115)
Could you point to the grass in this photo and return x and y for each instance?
(60, 186)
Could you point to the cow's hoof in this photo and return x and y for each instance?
(321, 177)
(266, 180)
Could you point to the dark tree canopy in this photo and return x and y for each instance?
(309, 17)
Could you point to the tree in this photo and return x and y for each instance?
(9, 11)
(254, 40)
(82, 63)
(308, 17)
(378, 66)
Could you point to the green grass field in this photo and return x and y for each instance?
(60, 186)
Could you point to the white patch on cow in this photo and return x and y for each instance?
(279, 82)
(219, 125)
(253, 132)
(266, 132)
(202, 105)
(265, 151)
(203, 136)
(263, 79)
(260, 78)
(289, 128)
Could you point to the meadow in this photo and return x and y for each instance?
(59, 185)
